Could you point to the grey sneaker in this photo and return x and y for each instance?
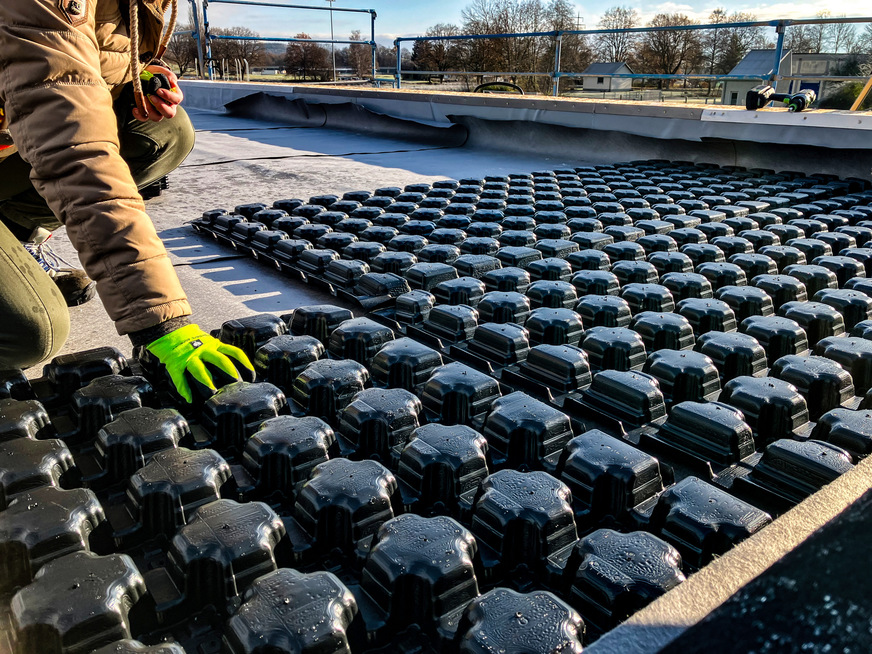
(76, 287)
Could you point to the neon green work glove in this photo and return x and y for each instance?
(188, 350)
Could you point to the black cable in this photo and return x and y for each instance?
(304, 156)
(256, 129)
(229, 257)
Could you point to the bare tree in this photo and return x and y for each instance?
(712, 41)
(672, 51)
(842, 37)
(817, 34)
(620, 46)
(523, 54)
(575, 50)
(386, 57)
(360, 56)
(252, 51)
(307, 59)
(437, 55)
(182, 50)
(724, 47)
(864, 41)
(800, 38)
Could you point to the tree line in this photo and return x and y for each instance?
(305, 61)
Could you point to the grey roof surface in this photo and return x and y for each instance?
(605, 68)
(757, 62)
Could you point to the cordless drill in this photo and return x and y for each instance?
(760, 96)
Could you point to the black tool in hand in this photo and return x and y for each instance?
(153, 82)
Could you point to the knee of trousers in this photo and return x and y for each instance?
(35, 335)
(178, 140)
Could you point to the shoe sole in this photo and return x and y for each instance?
(85, 295)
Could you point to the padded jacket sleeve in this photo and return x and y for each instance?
(60, 115)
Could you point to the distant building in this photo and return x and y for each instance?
(759, 63)
(600, 77)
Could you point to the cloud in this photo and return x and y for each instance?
(764, 11)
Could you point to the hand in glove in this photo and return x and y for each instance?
(189, 350)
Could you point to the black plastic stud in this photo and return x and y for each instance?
(632, 398)
(42, 525)
(282, 453)
(520, 519)
(77, 603)
(164, 494)
(687, 285)
(554, 327)
(236, 411)
(817, 320)
(789, 471)
(70, 372)
(344, 503)
(26, 464)
(376, 420)
(702, 521)
(854, 355)
(455, 394)
(283, 358)
(663, 331)
(595, 282)
(326, 386)
(414, 307)
(404, 363)
(525, 434)
(707, 315)
(420, 572)
(505, 620)
(279, 609)
(734, 354)
(778, 336)
(358, 339)
(746, 301)
(611, 575)
(224, 547)
(317, 321)
(132, 439)
(773, 408)
(607, 476)
(24, 419)
(850, 430)
(105, 398)
(683, 375)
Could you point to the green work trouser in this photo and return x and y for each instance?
(152, 150)
(34, 320)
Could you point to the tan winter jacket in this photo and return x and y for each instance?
(60, 62)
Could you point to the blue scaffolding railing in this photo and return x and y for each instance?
(205, 37)
(204, 40)
(556, 74)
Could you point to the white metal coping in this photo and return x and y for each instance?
(821, 128)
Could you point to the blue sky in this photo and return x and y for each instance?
(413, 17)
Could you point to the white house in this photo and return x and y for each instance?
(600, 77)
